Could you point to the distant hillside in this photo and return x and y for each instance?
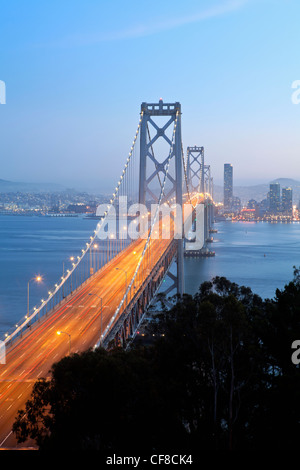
(259, 192)
(13, 187)
(287, 183)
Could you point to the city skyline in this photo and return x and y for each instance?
(76, 80)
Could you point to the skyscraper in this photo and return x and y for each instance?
(228, 185)
(287, 201)
(274, 198)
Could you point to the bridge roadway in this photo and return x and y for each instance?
(31, 356)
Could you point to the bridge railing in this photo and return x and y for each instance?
(153, 278)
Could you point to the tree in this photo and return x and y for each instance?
(100, 400)
(219, 376)
(212, 335)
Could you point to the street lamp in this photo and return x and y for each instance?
(63, 332)
(63, 277)
(90, 293)
(121, 269)
(72, 259)
(96, 261)
(36, 279)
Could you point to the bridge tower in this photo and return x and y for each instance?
(195, 169)
(199, 180)
(151, 116)
(208, 199)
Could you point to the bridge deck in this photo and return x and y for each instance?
(31, 356)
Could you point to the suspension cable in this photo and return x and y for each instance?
(60, 285)
(149, 234)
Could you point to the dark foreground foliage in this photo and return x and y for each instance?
(220, 377)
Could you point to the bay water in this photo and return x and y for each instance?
(258, 255)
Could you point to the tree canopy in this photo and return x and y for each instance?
(218, 376)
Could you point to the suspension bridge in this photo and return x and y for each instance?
(136, 251)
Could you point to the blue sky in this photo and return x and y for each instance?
(76, 73)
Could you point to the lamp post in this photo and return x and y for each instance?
(91, 261)
(72, 259)
(65, 333)
(121, 269)
(96, 263)
(37, 279)
(63, 279)
(101, 311)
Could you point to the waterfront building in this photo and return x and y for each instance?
(274, 198)
(228, 185)
(287, 201)
(236, 204)
(252, 204)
